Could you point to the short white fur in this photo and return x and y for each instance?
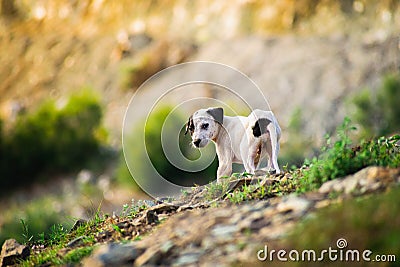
(247, 140)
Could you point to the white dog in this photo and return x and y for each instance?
(246, 140)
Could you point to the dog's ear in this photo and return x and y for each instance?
(217, 114)
(189, 125)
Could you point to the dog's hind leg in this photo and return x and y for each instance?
(254, 157)
(274, 148)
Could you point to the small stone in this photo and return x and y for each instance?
(330, 186)
(113, 254)
(188, 258)
(150, 257)
(236, 218)
(163, 208)
(224, 232)
(338, 186)
(12, 252)
(149, 217)
(350, 184)
(295, 204)
(167, 246)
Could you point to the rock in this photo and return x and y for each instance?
(224, 232)
(103, 235)
(186, 259)
(151, 256)
(367, 180)
(12, 252)
(268, 182)
(113, 254)
(151, 217)
(164, 208)
(167, 247)
(296, 205)
(254, 221)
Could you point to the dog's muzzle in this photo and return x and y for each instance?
(196, 143)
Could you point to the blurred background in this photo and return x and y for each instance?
(68, 69)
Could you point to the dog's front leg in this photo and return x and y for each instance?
(224, 169)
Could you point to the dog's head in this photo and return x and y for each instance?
(204, 125)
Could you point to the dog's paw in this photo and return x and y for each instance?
(260, 172)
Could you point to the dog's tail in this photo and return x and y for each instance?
(264, 122)
(260, 127)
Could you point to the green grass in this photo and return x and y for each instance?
(367, 223)
(215, 190)
(341, 157)
(54, 245)
(245, 193)
(59, 238)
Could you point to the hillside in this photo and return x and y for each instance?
(228, 223)
(209, 226)
(55, 49)
(78, 120)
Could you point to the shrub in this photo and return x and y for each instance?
(35, 218)
(51, 139)
(379, 114)
(136, 157)
(342, 158)
(297, 146)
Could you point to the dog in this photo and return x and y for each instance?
(246, 140)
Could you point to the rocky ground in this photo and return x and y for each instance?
(215, 225)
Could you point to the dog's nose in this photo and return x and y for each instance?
(197, 142)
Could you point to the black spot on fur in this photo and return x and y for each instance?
(189, 126)
(260, 127)
(217, 114)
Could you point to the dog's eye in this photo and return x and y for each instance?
(204, 126)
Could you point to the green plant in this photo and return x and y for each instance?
(216, 189)
(57, 233)
(31, 223)
(78, 254)
(52, 139)
(368, 223)
(297, 146)
(242, 194)
(59, 237)
(341, 157)
(116, 228)
(135, 207)
(25, 232)
(167, 121)
(379, 114)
